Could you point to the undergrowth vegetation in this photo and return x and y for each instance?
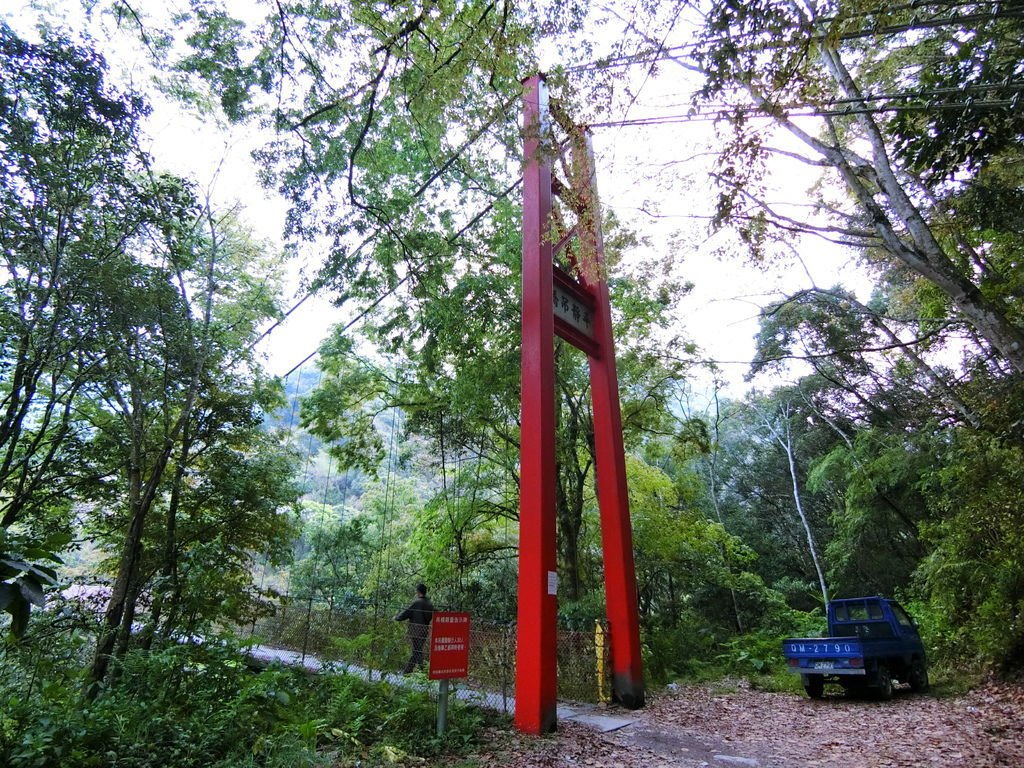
(201, 706)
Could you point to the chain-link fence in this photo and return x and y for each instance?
(360, 641)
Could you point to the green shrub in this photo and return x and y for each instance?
(685, 649)
(748, 655)
(189, 706)
(973, 575)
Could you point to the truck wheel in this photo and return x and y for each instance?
(814, 685)
(918, 676)
(883, 682)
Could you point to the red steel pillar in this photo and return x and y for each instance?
(536, 665)
(610, 459)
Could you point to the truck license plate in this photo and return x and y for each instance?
(823, 665)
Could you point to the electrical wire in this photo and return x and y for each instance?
(723, 111)
(673, 52)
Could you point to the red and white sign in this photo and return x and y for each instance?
(449, 645)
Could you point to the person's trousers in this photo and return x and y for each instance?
(416, 660)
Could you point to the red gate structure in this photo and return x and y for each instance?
(572, 303)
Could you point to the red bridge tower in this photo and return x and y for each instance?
(574, 305)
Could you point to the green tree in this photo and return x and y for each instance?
(459, 388)
(177, 383)
(833, 58)
(754, 481)
(229, 502)
(877, 529)
(680, 552)
(339, 557)
(860, 351)
(972, 572)
(129, 385)
(422, 143)
(70, 195)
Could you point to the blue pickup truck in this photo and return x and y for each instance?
(872, 642)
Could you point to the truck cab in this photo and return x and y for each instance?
(871, 643)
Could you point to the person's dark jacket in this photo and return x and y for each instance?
(418, 614)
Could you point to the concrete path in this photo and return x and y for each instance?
(586, 714)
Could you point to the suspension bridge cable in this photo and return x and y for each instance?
(316, 557)
(451, 240)
(385, 527)
(290, 428)
(416, 194)
(305, 471)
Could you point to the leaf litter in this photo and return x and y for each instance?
(735, 725)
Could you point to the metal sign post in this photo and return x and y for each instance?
(449, 656)
(442, 707)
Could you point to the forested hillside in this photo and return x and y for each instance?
(150, 462)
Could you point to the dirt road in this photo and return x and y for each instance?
(722, 726)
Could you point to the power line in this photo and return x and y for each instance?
(722, 111)
(673, 52)
(926, 93)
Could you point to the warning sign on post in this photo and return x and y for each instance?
(449, 645)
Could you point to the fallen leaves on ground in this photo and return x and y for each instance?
(700, 725)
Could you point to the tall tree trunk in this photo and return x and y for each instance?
(169, 561)
(784, 438)
(787, 446)
(131, 553)
(570, 490)
(570, 514)
(143, 489)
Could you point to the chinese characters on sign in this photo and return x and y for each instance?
(570, 310)
(449, 645)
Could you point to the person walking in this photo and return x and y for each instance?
(418, 614)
